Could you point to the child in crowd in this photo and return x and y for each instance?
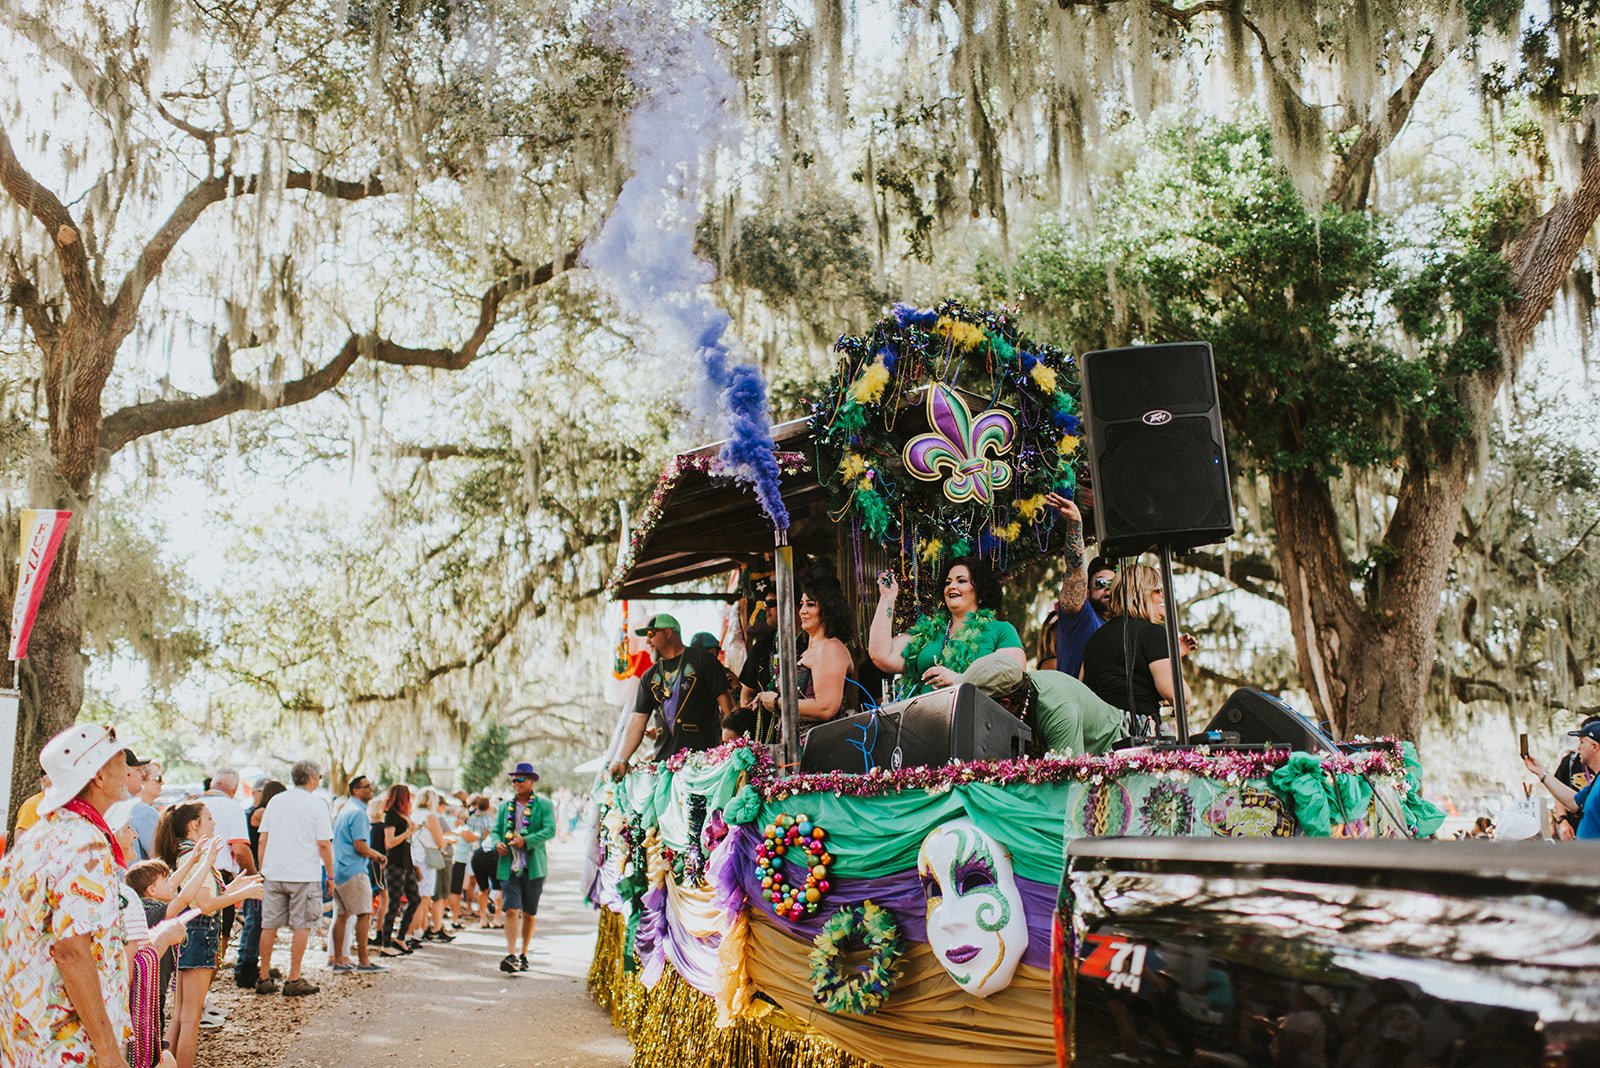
(151, 936)
(179, 836)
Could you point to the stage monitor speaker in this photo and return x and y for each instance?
(956, 723)
(1260, 718)
(1156, 454)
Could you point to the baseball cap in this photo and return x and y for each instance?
(705, 640)
(134, 760)
(1590, 731)
(659, 621)
(996, 674)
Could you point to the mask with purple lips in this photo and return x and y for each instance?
(975, 921)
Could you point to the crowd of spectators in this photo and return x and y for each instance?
(116, 911)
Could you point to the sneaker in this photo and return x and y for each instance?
(212, 1018)
(429, 936)
(343, 968)
(370, 968)
(444, 936)
(413, 943)
(509, 965)
(522, 963)
(298, 988)
(267, 986)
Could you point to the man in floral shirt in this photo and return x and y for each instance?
(63, 976)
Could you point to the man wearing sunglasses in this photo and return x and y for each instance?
(521, 828)
(62, 961)
(1085, 597)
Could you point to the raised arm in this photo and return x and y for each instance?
(884, 646)
(1075, 563)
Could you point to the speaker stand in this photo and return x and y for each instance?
(1180, 711)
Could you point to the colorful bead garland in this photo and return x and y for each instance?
(785, 837)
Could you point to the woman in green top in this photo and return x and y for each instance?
(944, 644)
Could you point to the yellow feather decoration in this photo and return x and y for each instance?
(852, 468)
(931, 550)
(870, 386)
(962, 335)
(1010, 532)
(1068, 446)
(1030, 507)
(1044, 377)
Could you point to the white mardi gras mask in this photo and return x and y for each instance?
(975, 921)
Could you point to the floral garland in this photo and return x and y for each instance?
(1384, 759)
(785, 838)
(789, 463)
(858, 993)
(759, 758)
(960, 649)
(860, 456)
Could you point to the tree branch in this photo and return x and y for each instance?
(1253, 574)
(24, 296)
(1380, 132)
(46, 207)
(1541, 255)
(125, 308)
(233, 395)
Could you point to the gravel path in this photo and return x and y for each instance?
(443, 1005)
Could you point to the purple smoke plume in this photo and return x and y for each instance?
(645, 252)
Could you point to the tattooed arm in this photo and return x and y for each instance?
(1075, 581)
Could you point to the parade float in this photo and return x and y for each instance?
(753, 914)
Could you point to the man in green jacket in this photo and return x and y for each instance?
(521, 828)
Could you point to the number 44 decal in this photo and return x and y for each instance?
(1116, 960)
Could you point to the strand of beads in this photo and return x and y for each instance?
(796, 839)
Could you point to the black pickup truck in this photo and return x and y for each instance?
(1328, 954)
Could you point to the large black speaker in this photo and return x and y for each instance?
(1156, 452)
(956, 723)
(1260, 718)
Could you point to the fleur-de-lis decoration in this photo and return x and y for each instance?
(969, 449)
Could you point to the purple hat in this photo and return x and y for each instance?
(524, 768)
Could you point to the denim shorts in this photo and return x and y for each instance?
(522, 893)
(200, 949)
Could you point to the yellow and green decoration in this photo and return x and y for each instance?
(942, 430)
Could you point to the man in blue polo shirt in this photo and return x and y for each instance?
(352, 890)
(1586, 801)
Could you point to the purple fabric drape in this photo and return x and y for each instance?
(902, 895)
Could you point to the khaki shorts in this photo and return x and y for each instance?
(354, 897)
(297, 906)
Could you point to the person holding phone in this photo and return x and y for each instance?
(1585, 802)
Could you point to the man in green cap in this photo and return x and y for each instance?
(1065, 715)
(687, 688)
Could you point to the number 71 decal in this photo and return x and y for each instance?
(1116, 960)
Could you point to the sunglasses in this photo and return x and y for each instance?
(1104, 584)
(521, 778)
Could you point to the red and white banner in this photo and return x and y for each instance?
(42, 531)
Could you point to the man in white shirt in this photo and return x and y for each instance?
(297, 863)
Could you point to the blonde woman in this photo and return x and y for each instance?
(427, 849)
(1126, 662)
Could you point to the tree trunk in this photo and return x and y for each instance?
(52, 673)
(1367, 665)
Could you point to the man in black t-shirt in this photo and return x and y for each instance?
(686, 688)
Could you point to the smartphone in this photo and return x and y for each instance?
(1522, 740)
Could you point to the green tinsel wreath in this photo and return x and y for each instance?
(861, 424)
(857, 993)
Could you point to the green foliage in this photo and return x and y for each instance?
(1205, 238)
(488, 756)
